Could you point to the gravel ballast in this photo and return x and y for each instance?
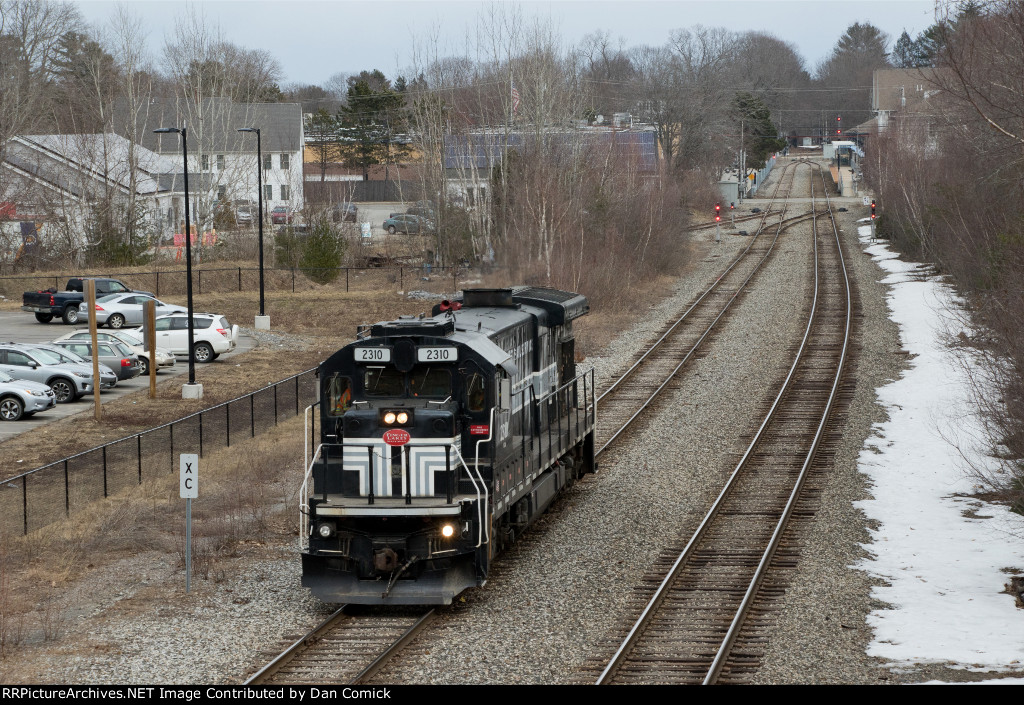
(552, 600)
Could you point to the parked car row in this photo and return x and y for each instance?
(37, 376)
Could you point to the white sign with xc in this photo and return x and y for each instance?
(189, 476)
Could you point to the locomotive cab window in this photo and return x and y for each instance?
(431, 382)
(339, 395)
(475, 392)
(383, 382)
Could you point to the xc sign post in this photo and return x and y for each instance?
(188, 488)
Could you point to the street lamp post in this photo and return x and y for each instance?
(190, 390)
(262, 320)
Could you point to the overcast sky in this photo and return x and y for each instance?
(314, 39)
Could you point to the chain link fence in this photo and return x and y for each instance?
(437, 280)
(39, 497)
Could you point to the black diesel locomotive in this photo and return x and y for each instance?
(441, 439)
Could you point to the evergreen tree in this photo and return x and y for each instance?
(321, 129)
(760, 136)
(848, 72)
(372, 118)
(904, 52)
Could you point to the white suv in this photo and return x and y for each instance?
(213, 335)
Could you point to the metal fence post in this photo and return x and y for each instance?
(67, 490)
(24, 503)
(346, 280)
(275, 404)
(201, 415)
(172, 446)
(138, 452)
(227, 424)
(158, 283)
(252, 414)
(239, 279)
(296, 395)
(105, 471)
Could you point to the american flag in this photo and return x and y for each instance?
(515, 98)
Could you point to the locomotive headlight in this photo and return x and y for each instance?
(326, 530)
(395, 417)
(448, 530)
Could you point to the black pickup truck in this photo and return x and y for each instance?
(64, 304)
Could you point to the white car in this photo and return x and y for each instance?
(119, 310)
(213, 335)
(20, 397)
(163, 358)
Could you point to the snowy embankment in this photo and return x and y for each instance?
(945, 555)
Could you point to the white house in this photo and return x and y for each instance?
(223, 159)
(54, 181)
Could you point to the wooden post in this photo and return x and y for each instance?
(90, 289)
(150, 343)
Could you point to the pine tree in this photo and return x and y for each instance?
(760, 136)
(904, 52)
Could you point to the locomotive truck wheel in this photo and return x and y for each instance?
(44, 317)
(115, 321)
(71, 315)
(203, 352)
(11, 409)
(63, 388)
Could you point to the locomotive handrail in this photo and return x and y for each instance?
(304, 501)
(476, 467)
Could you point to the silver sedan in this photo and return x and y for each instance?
(163, 357)
(119, 310)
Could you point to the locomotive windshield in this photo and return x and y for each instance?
(430, 382)
(423, 381)
(384, 382)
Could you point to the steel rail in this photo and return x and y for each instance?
(719, 661)
(696, 346)
(399, 644)
(288, 654)
(662, 591)
(760, 228)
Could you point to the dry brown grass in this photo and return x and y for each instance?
(247, 498)
(248, 491)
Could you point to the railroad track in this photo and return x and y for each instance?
(350, 646)
(638, 388)
(703, 616)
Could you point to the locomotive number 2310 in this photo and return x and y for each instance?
(439, 354)
(372, 354)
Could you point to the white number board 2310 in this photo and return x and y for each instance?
(372, 354)
(439, 354)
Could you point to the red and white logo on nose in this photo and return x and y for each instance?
(396, 437)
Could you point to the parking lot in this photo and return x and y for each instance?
(21, 327)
